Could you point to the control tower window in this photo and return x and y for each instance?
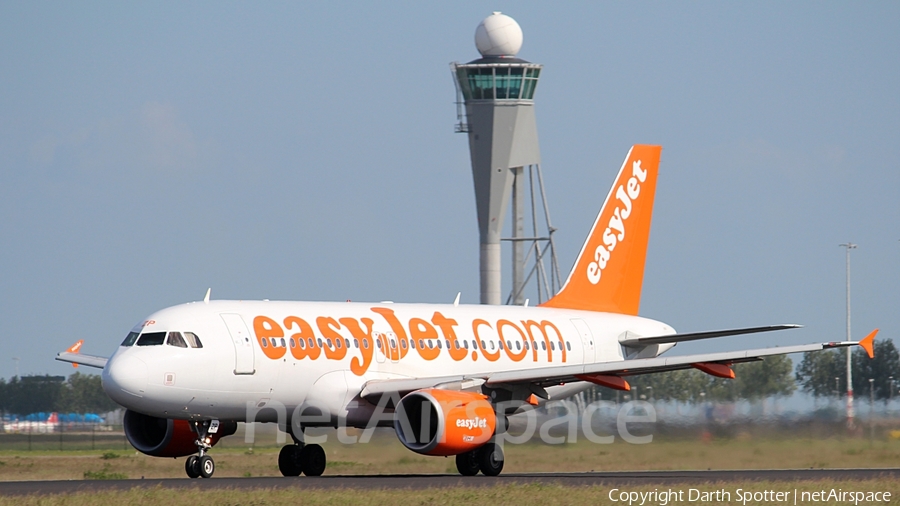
(130, 339)
(482, 83)
(176, 340)
(193, 340)
(531, 79)
(509, 82)
(151, 339)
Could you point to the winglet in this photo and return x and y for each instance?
(868, 343)
(206, 297)
(74, 349)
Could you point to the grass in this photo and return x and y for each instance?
(385, 455)
(104, 474)
(515, 494)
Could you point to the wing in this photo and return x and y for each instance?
(75, 358)
(636, 341)
(712, 363)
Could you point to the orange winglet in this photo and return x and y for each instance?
(868, 343)
(533, 400)
(74, 349)
(717, 370)
(606, 380)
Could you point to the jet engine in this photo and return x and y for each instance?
(444, 422)
(164, 437)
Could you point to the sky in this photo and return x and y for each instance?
(306, 151)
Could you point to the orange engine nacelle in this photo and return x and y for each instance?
(164, 437)
(444, 422)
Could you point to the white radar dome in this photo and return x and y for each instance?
(498, 35)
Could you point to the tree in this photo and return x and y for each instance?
(770, 377)
(885, 364)
(818, 370)
(30, 394)
(83, 393)
(753, 381)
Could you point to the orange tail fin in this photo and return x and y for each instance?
(609, 271)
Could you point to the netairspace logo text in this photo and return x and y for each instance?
(740, 496)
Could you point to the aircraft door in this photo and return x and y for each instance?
(243, 344)
(587, 340)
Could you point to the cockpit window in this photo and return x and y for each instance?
(151, 339)
(175, 339)
(193, 340)
(130, 339)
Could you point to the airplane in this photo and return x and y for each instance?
(445, 377)
(47, 426)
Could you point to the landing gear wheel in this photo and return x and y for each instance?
(289, 462)
(467, 463)
(207, 466)
(312, 459)
(192, 467)
(490, 459)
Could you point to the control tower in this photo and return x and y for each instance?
(497, 91)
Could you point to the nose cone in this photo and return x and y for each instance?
(124, 378)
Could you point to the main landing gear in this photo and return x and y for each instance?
(300, 458)
(202, 465)
(488, 459)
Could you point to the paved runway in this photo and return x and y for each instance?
(420, 481)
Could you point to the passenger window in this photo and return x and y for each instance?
(192, 340)
(176, 340)
(151, 339)
(130, 339)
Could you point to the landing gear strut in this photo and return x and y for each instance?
(488, 459)
(202, 465)
(300, 458)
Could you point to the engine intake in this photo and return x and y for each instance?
(164, 437)
(444, 422)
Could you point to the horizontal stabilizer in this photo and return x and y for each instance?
(632, 341)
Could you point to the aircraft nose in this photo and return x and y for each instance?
(124, 378)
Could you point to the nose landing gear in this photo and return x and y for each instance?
(202, 465)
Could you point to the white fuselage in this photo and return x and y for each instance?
(252, 356)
